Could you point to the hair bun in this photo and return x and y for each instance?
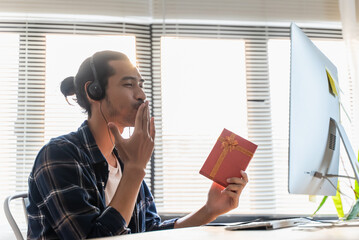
(68, 86)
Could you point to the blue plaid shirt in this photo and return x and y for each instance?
(66, 193)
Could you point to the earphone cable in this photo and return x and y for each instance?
(108, 129)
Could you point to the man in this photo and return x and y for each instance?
(90, 183)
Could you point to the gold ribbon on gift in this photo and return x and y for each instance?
(228, 144)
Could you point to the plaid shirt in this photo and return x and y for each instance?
(66, 193)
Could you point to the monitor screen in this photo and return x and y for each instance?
(314, 106)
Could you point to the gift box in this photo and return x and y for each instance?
(229, 156)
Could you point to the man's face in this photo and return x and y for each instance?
(124, 94)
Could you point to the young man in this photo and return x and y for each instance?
(90, 183)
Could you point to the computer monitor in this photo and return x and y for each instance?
(314, 121)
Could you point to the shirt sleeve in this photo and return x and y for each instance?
(68, 197)
(153, 220)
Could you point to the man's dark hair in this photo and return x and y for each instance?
(76, 85)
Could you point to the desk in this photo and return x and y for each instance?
(219, 233)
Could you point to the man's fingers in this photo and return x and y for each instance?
(149, 121)
(233, 195)
(152, 128)
(116, 133)
(236, 180)
(145, 118)
(244, 176)
(139, 117)
(235, 187)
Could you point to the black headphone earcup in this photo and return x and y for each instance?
(94, 91)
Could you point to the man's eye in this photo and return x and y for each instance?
(128, 84)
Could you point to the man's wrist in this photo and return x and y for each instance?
(134, 171)
(211, 216)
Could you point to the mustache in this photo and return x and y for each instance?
(138, 104)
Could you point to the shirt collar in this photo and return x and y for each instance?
(89, 143)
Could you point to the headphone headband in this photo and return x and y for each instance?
(94, 89)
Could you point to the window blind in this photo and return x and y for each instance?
(259, 196)
(9, 71)
(225, 10)
(248, 10)
(203, 91)
(114, 8)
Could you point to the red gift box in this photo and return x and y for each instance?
(229, 156)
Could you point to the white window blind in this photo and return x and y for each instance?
(258, 196)
(248, 10)
(148, 10)
(114, 8)
(10, 168)
(9, 70)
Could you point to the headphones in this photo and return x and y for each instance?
(94, 89)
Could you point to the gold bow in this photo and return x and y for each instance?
(228, 144)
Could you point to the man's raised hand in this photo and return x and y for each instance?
(137, 150)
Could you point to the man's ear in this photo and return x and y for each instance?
(87, 95)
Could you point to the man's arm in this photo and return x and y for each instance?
(135, 153)
(220, 200)
(126, 194)
(198, 218)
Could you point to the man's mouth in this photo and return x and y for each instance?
(138, 104)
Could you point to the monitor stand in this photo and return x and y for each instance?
(349, 150)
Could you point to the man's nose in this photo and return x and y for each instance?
(140, 94)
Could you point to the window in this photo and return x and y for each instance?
(9, 70)
(203, 91)
(10, 169)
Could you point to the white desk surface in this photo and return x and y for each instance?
(210, 233)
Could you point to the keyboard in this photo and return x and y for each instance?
(268, 224)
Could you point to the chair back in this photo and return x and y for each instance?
(9, 215)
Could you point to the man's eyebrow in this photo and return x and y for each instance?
(131, 78)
